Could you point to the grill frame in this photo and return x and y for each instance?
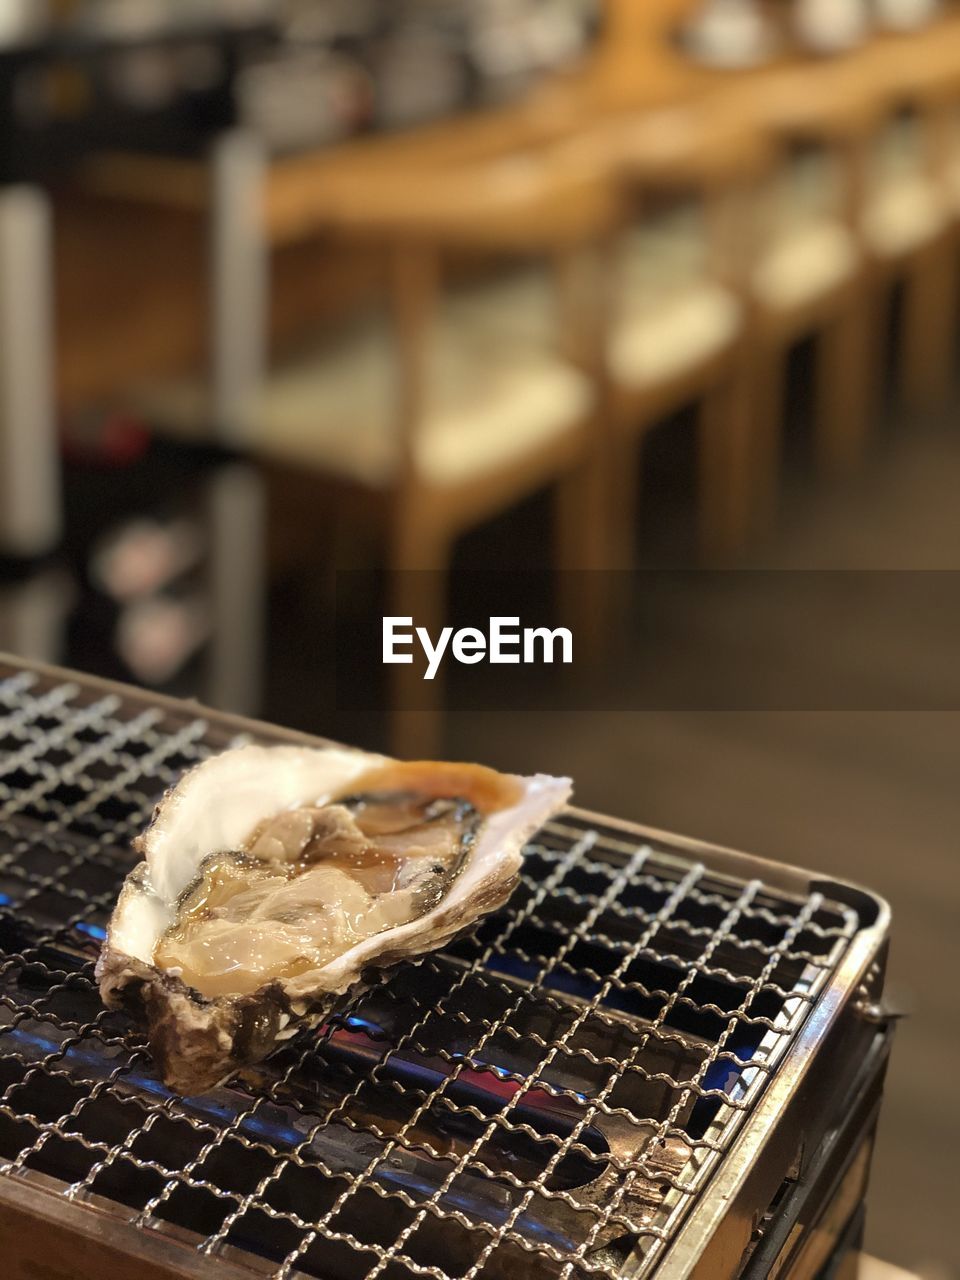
(769, 1145)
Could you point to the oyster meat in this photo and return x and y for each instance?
(278, 881)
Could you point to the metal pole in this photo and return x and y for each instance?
(239, 284)
(236, 510)
(30, 509)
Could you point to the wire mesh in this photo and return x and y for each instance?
(550, 1094)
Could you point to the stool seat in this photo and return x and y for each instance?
(904, 208)
(804, 263)
(489, 399)
(663, 338)
(669, 315)
(672, 315)
(903, 215)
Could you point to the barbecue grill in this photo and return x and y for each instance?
(661, 1058)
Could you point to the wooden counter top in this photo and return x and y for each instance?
(136, 233)
(620, 76)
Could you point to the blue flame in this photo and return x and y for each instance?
(91, 930)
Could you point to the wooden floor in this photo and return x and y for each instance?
(874, 797)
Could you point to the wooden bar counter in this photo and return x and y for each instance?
(131, 241)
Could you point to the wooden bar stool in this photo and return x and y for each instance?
(434, 413)
(677, 311)
(920, 81)
(807, 276)
(906, 217)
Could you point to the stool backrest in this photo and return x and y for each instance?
(530, 205)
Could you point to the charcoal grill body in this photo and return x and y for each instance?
(661, 1058)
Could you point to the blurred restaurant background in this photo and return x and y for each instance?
(295, 287)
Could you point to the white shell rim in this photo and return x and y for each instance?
(147, 904)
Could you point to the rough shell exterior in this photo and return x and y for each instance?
(197, 1041)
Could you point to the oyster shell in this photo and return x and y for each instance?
(276, 881)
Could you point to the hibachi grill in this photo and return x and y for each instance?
(660, 1058)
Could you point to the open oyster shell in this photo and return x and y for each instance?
(276, 881)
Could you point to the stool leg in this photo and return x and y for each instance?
(582, 516)
(767, 374)
(418, 563)
(237, 520)
(622, 488)
(930, 313)
(845, 391)
(723, 463)
(582, 554)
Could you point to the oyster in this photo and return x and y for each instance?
(276, 881)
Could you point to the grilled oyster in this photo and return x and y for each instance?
(278, 880)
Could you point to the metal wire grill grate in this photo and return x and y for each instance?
(549, 1095)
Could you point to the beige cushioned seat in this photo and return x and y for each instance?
(662, 339)
(492, 394)
(671, 314)
(904, 209)
(809, 251)
(495, 387)
(485, 409)
(902, 215)
(805, 262)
